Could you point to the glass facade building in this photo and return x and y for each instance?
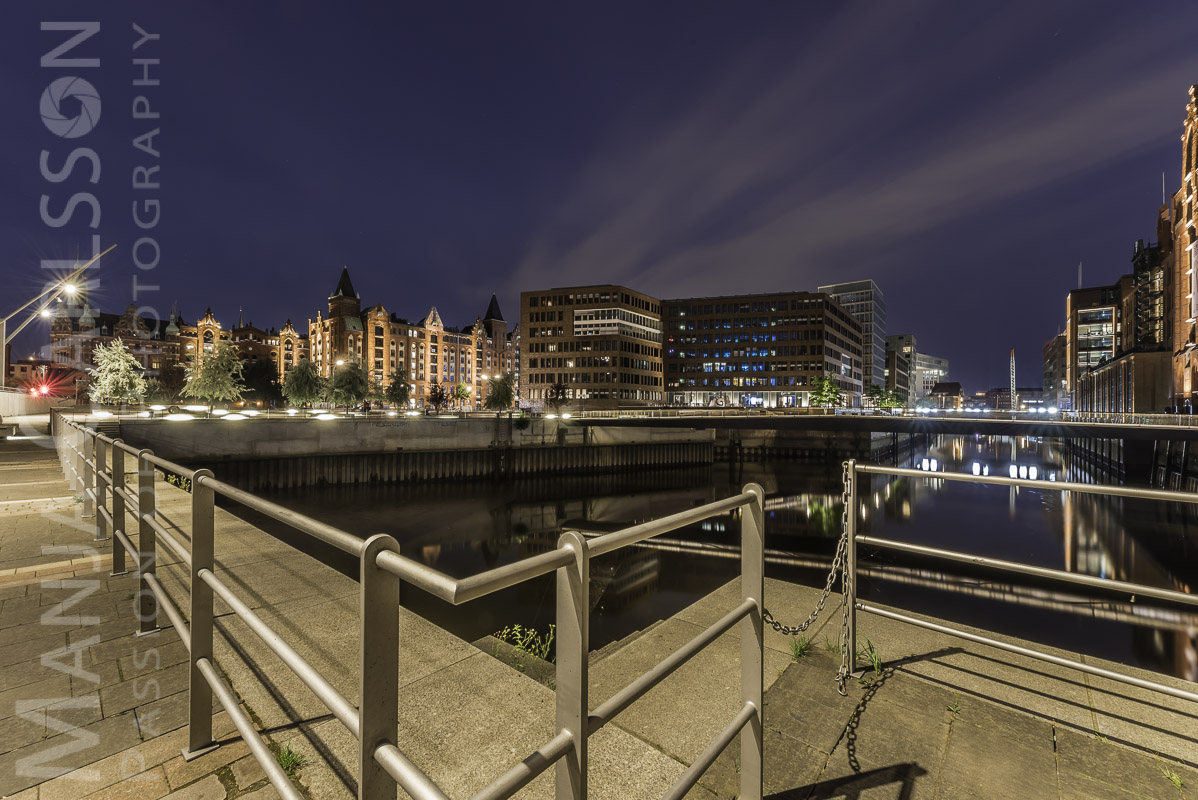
(865, 301)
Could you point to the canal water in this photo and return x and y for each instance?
(465, 528)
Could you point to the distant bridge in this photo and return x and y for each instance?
(1128, 427)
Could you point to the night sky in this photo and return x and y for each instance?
(966, 156)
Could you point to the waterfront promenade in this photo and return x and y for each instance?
(942, 719)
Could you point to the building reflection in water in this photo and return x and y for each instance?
(465, 528)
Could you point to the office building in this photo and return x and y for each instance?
(760, 350)
(603, 343)
(864, 300)
(1055, 388)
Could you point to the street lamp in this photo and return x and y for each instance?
(66, 285)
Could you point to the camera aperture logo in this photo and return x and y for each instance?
(69, 91)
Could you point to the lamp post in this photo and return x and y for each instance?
(56, 290)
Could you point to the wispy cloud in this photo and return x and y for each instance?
(759, 183)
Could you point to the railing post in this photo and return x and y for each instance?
(88, 475)
(573, 677)
(119, 523)
(850, 567)
(102, 532)
(752, 641)
(379, 677)
(199, 726)
(147, 546)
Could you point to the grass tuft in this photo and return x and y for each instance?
(1172, 777)
(290, 761)
(800, 646)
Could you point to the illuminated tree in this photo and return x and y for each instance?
(217, 378)
(117, 376)
(461, 393)
(302, 384)
(557, 396)
(826, 392)
(348, 386)
(502, 393)
(398, 390)
(437, 397)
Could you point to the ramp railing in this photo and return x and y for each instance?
(97, 466)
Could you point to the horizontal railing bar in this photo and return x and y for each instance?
(90, 493)
(103, 512)
(409, 776)
(91, 462)
(709, 755)
(335, 701)
(174, 544)
(419, 575)
(169, 466)
(1030, 653)
(104, 438)
(1027, 569)
(104, 476)
(618, 539)
(130, 548)
(1084, 488)
(168, 605)
(128, 448)
(615, 704)
(130, 497)
(527, 770)
(249, 734)
(493, 580)
(326, 533)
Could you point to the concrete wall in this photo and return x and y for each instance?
(16, 403)
(195, 440)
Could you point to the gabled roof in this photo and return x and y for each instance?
(345, 287)
(493, 312)
(947, 387)
(432, 319)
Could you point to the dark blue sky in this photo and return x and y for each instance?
(964, 155)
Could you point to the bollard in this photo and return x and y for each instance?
(573, 642)
(199, 726)
(379, 669)
(752, 641)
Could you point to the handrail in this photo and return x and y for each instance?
(319, 530)
(1106, 584)
(382, 569)
(853, 540)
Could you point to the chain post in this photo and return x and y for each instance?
(379, 665)
(199, 726)
(850, 572)
(147, 545)
(752, 641)
(573, 644)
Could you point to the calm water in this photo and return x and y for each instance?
(466, 528)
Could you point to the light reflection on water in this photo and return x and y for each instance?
(465, 528)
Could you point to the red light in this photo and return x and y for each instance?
(33, 391)
(45, 389)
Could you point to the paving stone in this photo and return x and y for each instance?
(265, 793)
(247, 772)
(44, 693)
(1091, 762)
(209, 788)
(149, 785)
(144, 689)
(180, 772)
(993, 765)
(59, 754)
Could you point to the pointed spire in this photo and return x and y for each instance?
(345, 287)
(493, 312)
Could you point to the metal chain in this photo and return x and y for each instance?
(838, 566)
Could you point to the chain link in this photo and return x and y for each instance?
(838, 566)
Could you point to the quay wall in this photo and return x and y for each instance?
(278, 453)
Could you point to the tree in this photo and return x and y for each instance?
(217, 378)
(348, 386)
(461, 393)
(826, 392)
(876, 396)
(894, 399)
(171, 380)
(437, 397)
(502, 392)
(302, 384)
(557, 396)
(117, 376)
(398, 391)
(262, 381)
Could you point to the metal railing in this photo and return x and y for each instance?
(855, 540)
(95, 465)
